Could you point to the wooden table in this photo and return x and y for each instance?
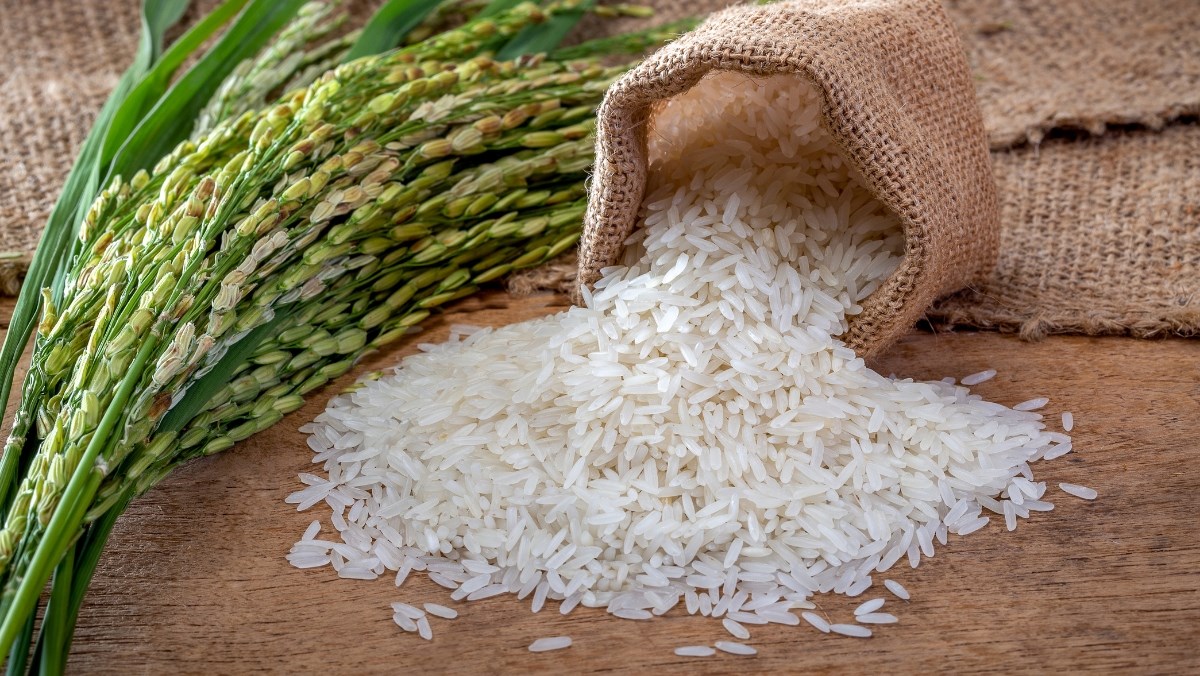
(195, 580)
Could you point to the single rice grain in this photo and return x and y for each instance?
(817, 621)
(1078, 491)
(850, 630)
(550, 643)
(735, 648)
(897, 589)
(695, 651)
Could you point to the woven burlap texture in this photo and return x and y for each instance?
(57, 65)
(1038, 66)
(897, 98)
(1057, 64)
(1107, 240)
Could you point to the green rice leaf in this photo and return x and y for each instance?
(18, 657)
(87, 557)
(171, 118)
(388, 26)
(146, 93)
(50, 655)
(157, 19)
(545, 37)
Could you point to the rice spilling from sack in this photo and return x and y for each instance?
(695, 434)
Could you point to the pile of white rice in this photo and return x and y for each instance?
(695, 435)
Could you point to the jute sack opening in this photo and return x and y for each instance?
(898, 99)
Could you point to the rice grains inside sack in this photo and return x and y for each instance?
(695, 432)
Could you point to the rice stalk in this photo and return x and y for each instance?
(262, 257)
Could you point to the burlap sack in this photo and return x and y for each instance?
(897, 98)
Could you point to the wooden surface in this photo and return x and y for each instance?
(195, 581)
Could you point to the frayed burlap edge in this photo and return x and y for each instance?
(1085, 65)
(1184, 322)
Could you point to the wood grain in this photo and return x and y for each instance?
(195, 581)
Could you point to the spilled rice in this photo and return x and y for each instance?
(694, 437)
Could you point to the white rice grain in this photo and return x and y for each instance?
(816, 621)
(897, 589)
(734, 648)
(977, 378)
(1031, 404)
(735, 629)
(632, 614)
(550, 643)
(869, 607)
(1078, 491)
(407, 610)
(311, 531)
(441, 611)
(695, 651)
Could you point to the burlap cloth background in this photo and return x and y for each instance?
(1089, 107)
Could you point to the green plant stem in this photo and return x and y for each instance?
(89, 550)
(79, 493)
(58, 624)
(18, 657)
(51, 659)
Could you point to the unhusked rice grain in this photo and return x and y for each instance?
(695, 431)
